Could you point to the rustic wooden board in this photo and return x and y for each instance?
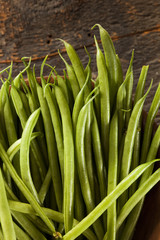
(31, 28)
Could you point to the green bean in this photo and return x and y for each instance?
(27, 225)
(78, 104)
(23, 119)
(144, 188)
(107, 202)
(45, 186)
(68, 158)
(149, 124)
(20, 184)
(5, 214)
(104, 100)
(120, 107)
(88, 150)
(31, 79)
(77, 65)
(81, 165)
(51, 146)
(112, 176)
(141, 84)
(17, 79)
(57, 125)
(115, 75)
(24, 153)
(11, 131)
(71, 78)
(3, 95)
(20, 234)
(129, 88)
(88, 69)
(129, 141)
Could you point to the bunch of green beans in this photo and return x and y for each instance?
(74, 161)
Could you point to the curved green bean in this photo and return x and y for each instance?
(5, 214)
(24, 153)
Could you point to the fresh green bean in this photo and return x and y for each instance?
(82, 171)
(5, 214)
(24, 153)
(107, 202)
(45, 186)
(27, 225)
(112, 177)
(23, 119)
(104, 100)
(141, 84)
(115, 75)
(57, 125)
(51, 146)
(68, 158)
(149, 124)
(129, 88)
(77, 65)
(71, 77)
(20, 234)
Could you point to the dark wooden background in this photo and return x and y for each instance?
(31, 28)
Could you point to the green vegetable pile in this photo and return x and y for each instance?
(74, 161)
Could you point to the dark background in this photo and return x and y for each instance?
(31, 28)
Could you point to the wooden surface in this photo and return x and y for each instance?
(31, 28)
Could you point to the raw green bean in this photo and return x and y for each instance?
(112, 177)
(68, 158)
(57, 125)
(11, 129)
(24, 153)
(81, 165)
(20, 234)
(17, 79)
(51, 146)
(71, 78)
(149, 124)
(23, 119)
(141, 84)
(115, 75)
(129, 88)
(5, 214)
(104, 100)
(45, 186)
(107, 202)
(77, 65)
(27, 225)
